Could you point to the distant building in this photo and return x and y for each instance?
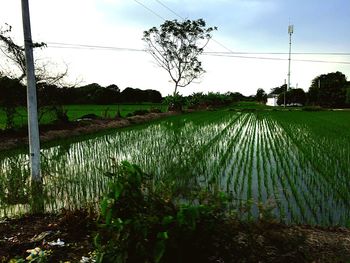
(272, 100)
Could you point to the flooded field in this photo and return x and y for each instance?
(299, 161)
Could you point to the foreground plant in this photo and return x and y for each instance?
(35, 255)
(138, 225)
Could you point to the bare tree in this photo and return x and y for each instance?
(44, 75)
(16, 56)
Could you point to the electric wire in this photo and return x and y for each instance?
(215, 54)
(150, 10)
(230, 54)
(169, 9)
(175, 13)
(250, 53)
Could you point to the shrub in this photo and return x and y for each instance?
(138, 224)
(137, 112)
(155, 110)
(313, 108)
(176, 102)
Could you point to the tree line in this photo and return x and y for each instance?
(330, 90)
(51, 98)
(12, 91)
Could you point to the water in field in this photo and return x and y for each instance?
(254, 156)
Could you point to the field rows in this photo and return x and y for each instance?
(259, 158)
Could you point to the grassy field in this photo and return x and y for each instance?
(76, 111)
(295, 161)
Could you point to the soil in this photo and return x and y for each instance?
(75, 229)
(14, 138)
(248, 242)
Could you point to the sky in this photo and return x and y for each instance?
(245, 29)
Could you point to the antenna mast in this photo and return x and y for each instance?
(290, 32)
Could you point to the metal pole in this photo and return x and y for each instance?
(290, 31)
(33, 127)
(284, 94)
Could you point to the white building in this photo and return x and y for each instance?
(272, 100)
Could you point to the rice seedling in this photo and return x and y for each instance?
(287, 156)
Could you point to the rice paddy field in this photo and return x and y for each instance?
(298, 161)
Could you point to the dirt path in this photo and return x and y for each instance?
(253, 242)
(9, 140)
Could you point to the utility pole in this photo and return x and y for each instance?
(33, 126)
(284, 93)
(290, 32)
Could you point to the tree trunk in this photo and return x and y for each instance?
(176, 103)
(175, 91)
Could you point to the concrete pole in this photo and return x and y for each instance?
(290, 32)
(33, 126)
(284, 96)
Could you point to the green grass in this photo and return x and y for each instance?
(298, 159)
(76, 111)
(250, 105)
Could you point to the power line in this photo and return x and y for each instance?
(69, 45)
(84, 46)
(280, 59)
(172, 11)
(176, 14)
(215, 54)
(150, 10)
(255, 53)
(169, 9)
(282, 53)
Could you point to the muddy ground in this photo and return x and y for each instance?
(251, 242)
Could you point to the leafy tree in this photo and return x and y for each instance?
(114, 88)
(328, 90)
(348, 95)
(235, 96)
(293, 96)
(176, 46)
(313, 95)
(261, 96)
(132, 95)
(279, 90)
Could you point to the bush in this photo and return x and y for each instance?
(176, 102)
(139, 224)
(137, 112)
(313, 108)
(155, 110)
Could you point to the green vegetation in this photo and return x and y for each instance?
(250, 105)
(77, 111)
(140, 223)
(295, 159)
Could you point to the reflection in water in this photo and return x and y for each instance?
(248, 155)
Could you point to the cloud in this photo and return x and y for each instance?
(244, 25)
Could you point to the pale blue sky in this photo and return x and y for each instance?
(243, 26)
